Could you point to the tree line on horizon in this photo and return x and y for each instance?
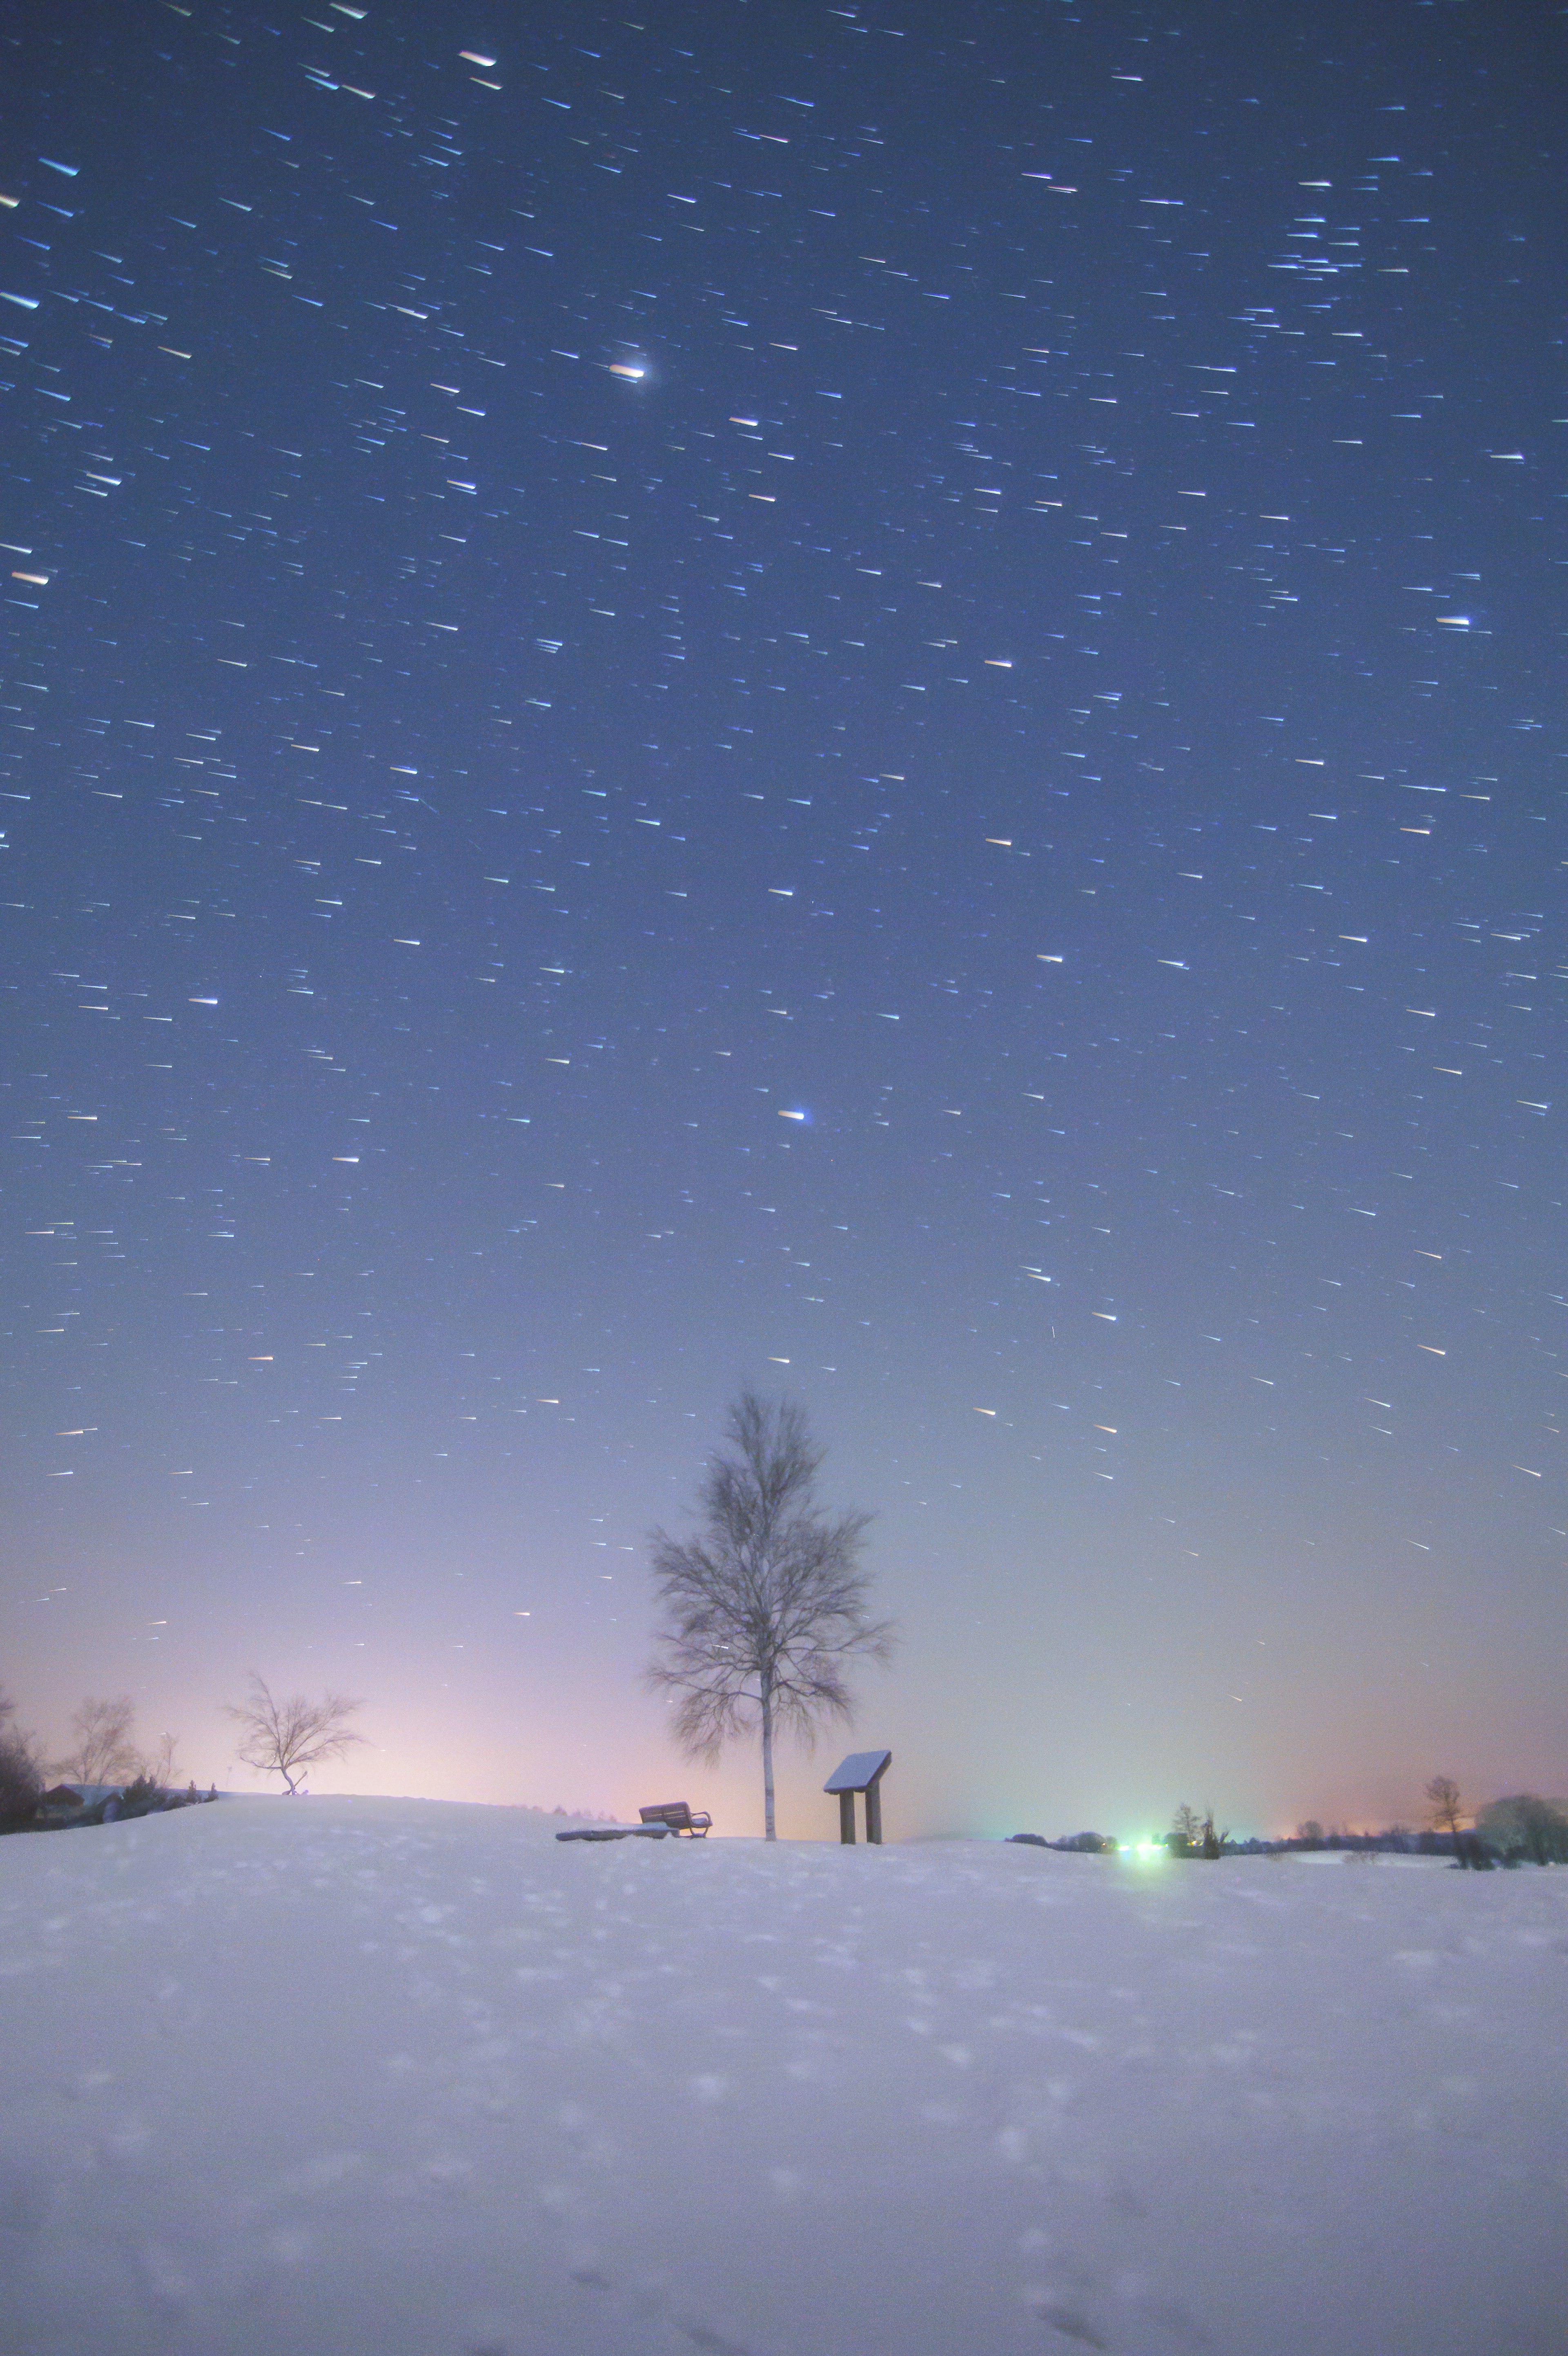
(287, 1736)
(1522, 1829)
(278, 1735)
(761, 1613)
(1510, 1831)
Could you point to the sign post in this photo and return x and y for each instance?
(861, 1771)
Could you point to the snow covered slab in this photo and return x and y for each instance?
(395, 2078)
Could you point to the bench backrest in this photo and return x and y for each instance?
(676, 1814)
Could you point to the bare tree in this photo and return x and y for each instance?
(1445, 1807)
(282, 1738)
(1187, 1826)
(104, 1749)
(21, 1783)
(158, 1765)
(761, 1611)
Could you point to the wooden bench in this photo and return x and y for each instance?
(677, 1818)
(668, 1820)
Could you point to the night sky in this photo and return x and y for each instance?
(865, 700)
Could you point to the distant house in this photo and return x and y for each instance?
(77, 1800)
(68, 1804)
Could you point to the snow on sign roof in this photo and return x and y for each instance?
(859, 1771)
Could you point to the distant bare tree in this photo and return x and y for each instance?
(21, 1781)
(158, 1764)
(761, 1611)
(1187, 1826)
(104, 1749)
(1310, 1833)
(283, 1738)
(1445, 1807)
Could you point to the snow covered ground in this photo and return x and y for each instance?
(397, 2078)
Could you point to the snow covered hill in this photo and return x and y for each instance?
(398, 2078)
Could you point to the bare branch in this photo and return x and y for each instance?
(763, 1611)
(1444, 1804)
(104, 1749)
(282, 1738)
(158, 1765)
(1445, 1807)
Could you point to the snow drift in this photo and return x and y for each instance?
(399, 2078)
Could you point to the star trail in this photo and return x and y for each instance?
(864, 699)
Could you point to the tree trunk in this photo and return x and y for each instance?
(769, 1829)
